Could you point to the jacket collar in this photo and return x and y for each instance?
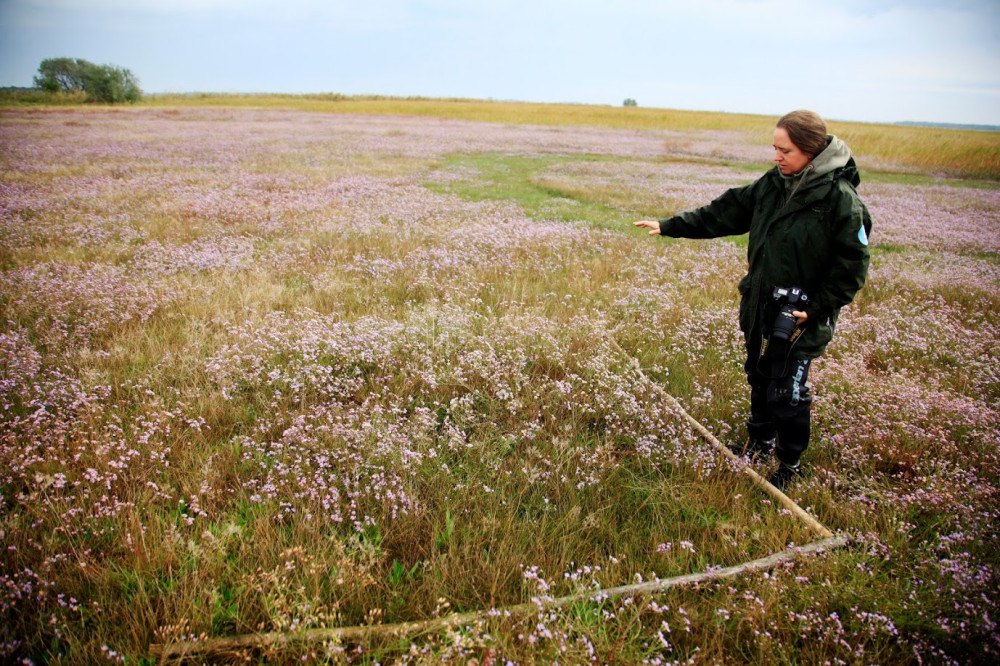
(848, 172)
(835, 161)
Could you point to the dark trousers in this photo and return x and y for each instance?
(780, 400)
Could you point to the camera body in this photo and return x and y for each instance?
(788, 300)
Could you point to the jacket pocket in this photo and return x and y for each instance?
(816, 338)
(744, 285)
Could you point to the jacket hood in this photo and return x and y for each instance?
(835, 156)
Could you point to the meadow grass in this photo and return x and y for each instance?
(266, 370)
(881, 147)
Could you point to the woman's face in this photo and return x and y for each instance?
(787, 155)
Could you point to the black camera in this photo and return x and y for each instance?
(788, 299)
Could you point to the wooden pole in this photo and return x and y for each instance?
(229, 645)
(766, 485)
(219, 647)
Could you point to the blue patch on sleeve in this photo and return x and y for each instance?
(862, 236)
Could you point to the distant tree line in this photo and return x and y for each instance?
(99, 83)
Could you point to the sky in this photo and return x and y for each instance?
(865, 60)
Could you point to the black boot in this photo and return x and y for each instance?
(760, 450)
(757, 450)
(784, 475)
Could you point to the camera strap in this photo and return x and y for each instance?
(778, 352)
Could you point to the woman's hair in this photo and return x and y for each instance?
(806, 130)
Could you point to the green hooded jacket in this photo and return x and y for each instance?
(809, 231)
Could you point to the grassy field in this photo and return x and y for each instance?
(282, 364)
(892, 148)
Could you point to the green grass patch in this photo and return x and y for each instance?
(504, 177)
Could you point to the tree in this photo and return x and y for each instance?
(100, 83)
(630, 102)
(61, 74)
(111, 85)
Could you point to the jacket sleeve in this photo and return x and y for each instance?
(728, 215)
(848, 261)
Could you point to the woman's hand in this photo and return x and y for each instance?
(652, 225)
(801, 317)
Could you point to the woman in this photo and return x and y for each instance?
(808, 257)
